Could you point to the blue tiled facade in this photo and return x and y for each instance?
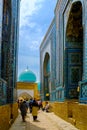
(48, 62)
(68, 52)
(9, 46)
(1, 14)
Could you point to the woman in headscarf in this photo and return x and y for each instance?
(35, 109)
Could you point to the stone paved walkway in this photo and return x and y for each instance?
(46, 121)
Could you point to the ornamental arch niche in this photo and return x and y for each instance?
(73, 50)
(46, 75)
(25, 96)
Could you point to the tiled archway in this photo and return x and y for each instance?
(46, 69)
(74, 50)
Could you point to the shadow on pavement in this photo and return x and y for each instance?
(33, 126)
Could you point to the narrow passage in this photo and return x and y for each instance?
(45, 121)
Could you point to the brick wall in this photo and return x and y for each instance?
(72, 112)
(6, 111)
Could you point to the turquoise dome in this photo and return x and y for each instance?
(27, 76)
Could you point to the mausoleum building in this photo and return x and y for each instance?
(63, 62)
(27, 86)
(63, 53)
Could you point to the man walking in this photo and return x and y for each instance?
(23, 109)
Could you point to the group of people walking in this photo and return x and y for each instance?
(33, 106)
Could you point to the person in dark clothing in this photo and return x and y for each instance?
(23, 109)
(30, 104)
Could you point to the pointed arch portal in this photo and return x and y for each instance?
(25, 96)
(46, 69)
(74, 51)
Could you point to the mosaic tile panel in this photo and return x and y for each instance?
(84, 91)
(75, 75)
(73, 93)
(9, 46)
(3, 92)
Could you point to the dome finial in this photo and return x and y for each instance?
(27, 68)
